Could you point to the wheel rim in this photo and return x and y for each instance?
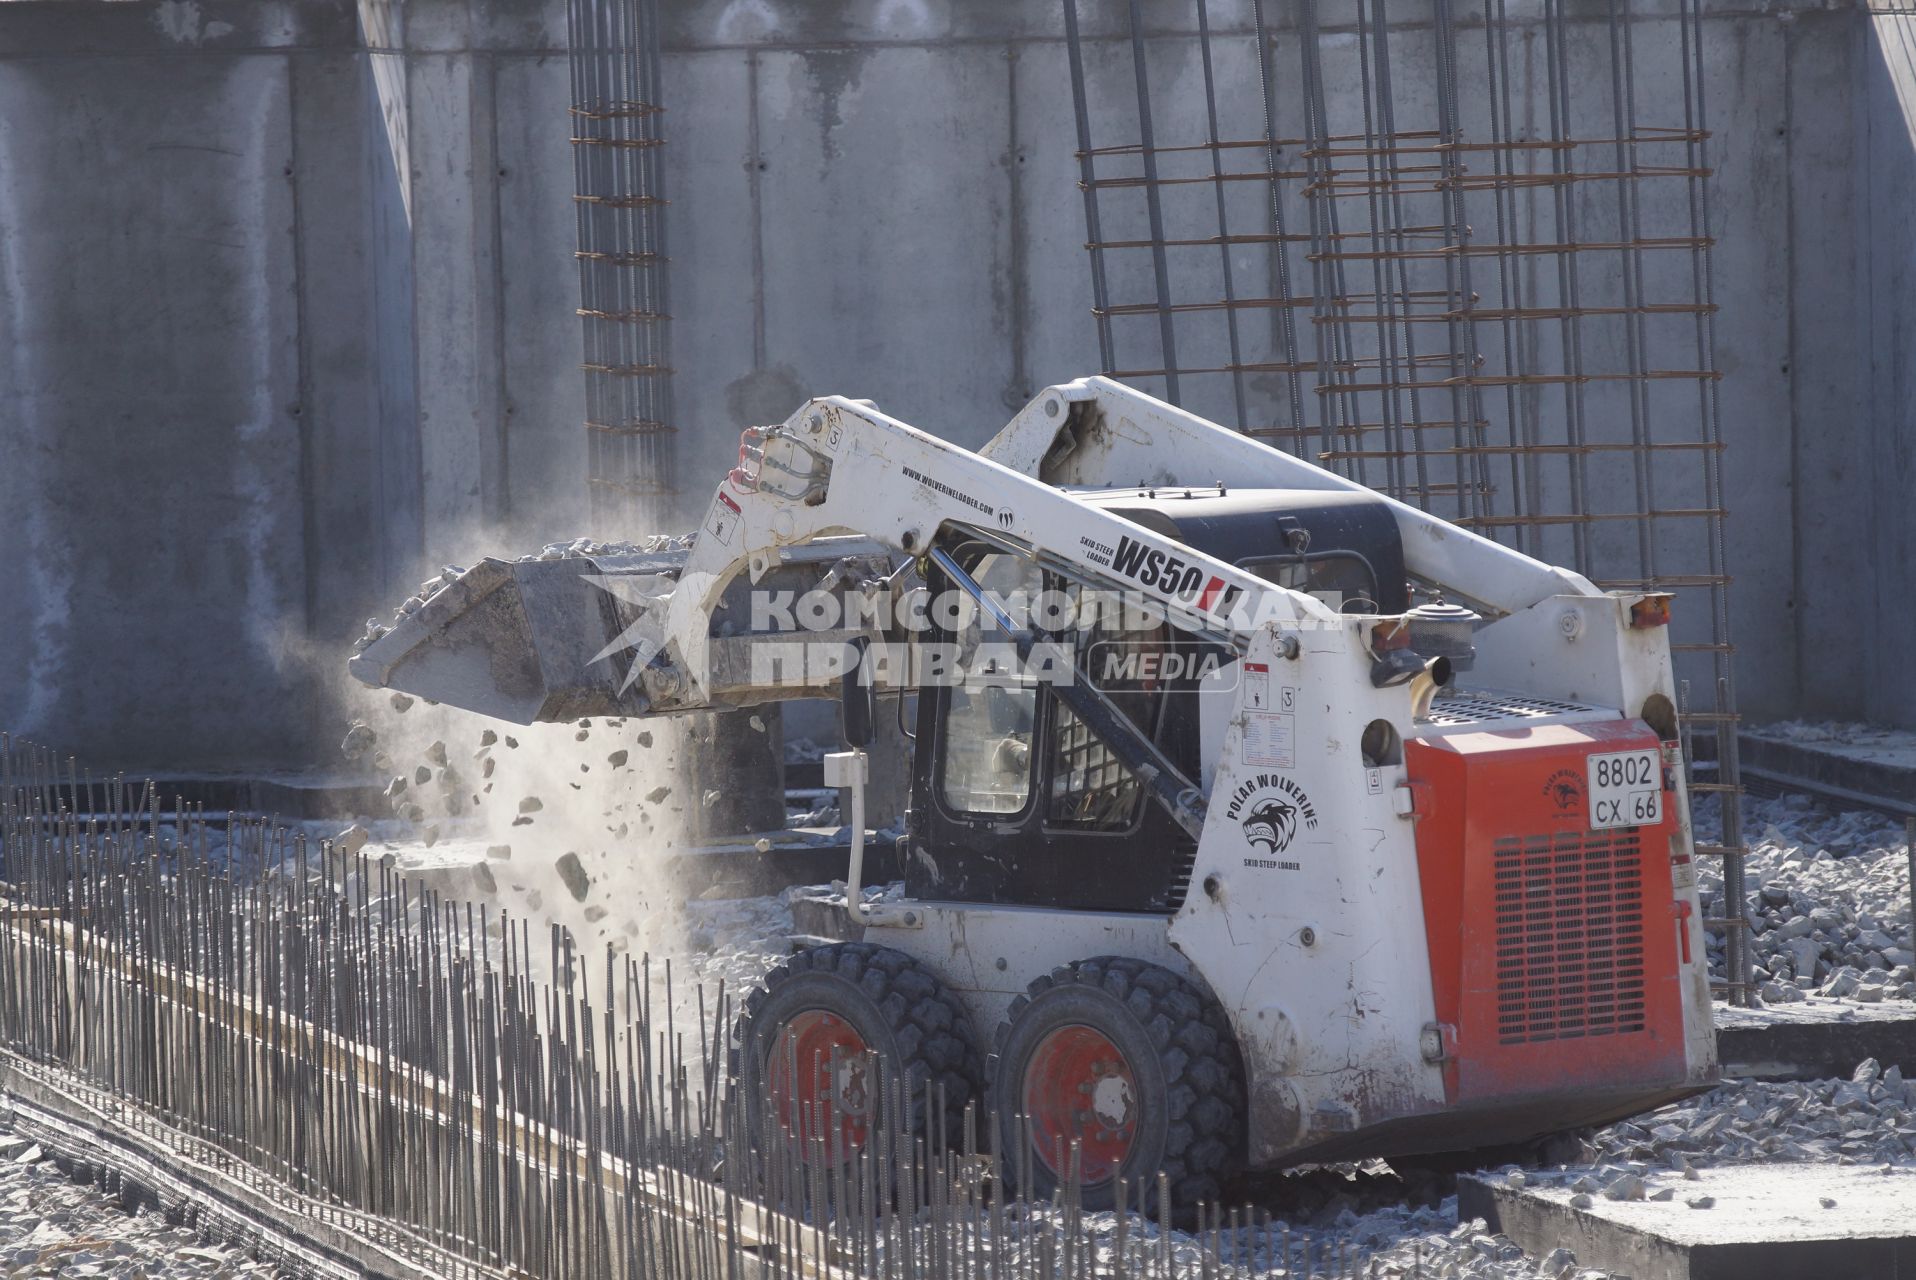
(819, 1076)
(1079, 1086)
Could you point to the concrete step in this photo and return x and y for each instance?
(1850, 764)
(1775, 1221)
(1815, 1039)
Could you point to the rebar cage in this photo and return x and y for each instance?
(619, 199)
(1459, 252)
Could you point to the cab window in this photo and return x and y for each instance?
(990, 713)
(1090, 790)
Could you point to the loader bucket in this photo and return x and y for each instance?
(512, 640)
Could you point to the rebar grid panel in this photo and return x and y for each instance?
(1458, 253)
(487, 1099)
(619, 201)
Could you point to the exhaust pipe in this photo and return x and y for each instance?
(1425, 676)
(1425, 684)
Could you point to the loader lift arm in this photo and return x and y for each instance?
(839, 466)
(841, 482)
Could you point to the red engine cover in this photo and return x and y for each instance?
(1554, 948)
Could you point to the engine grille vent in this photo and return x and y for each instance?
(1569, 936)
(1478, 706)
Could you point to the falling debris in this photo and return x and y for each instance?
(644, 739)
(617, 759)
(351, 840)
(657, 794)
(359, 740)
(512, 743)
(531, 804)
(487, 738)
(503, 852)
(401, 702)
(422, 775)
(436, 753)
(573, 872)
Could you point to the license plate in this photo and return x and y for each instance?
(1626, 789)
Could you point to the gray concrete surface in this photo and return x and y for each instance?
(286, 291)
(1781, 1221)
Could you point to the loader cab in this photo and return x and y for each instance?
(1014, 800)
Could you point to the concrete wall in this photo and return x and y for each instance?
(286, 305)
(1884, 459)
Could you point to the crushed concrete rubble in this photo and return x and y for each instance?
(1828, 903)
(1867, 1119)
(1425, 1243)
(52, 1225)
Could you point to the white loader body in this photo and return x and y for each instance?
(1434, 920)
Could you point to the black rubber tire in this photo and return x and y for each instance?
(1183, 1057)
(906, 1016)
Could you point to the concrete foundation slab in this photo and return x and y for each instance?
(1780, 1222)
(1854, 764)
(1814, 1040)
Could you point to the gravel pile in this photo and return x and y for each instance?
(51, 1225)
(1828, 903)
(1867, 1119)
(1425, 1243)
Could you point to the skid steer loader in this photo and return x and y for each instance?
(1255, 818)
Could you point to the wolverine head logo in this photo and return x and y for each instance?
(1271, 824)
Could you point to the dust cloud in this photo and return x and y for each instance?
(573, 824)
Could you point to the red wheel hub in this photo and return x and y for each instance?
(818, 1077)
(1079, 1086)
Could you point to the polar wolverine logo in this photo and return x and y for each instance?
(1270, 809)
(1272, 823)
